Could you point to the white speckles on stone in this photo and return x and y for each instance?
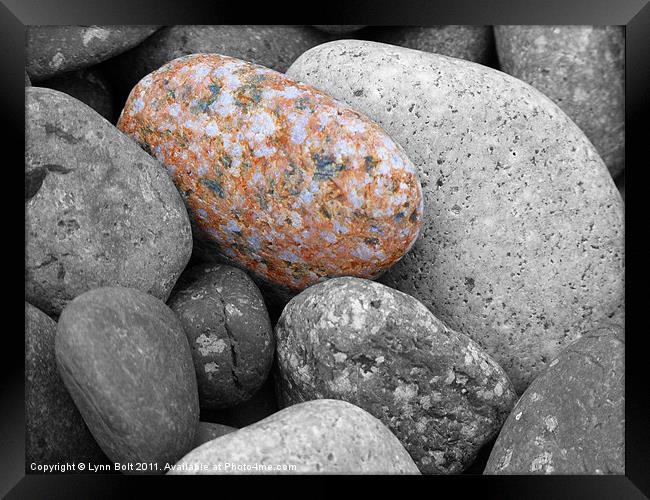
(498, 389)
(94, 33)
(138, 105)
(554, 362)
(551, 423)
(543, 462)
(210, 367)
(232, 310)
(518, 415)
(174, 109)
(404, 394)
(212, 129)
(210, 345)
(340, 357)
(298, 130)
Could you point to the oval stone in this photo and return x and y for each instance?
(571, 420)
(286, 182)
(275, 47)
(98, 210)
(380, 349)
(54, 429)
(125, 360)
(522, 245)
(325, 436)
(473, 43)
(50, 50)
(582, 69)
(230, 335)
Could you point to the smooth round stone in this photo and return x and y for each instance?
(339, 29)
(51, 50)
(522, 244)
(473, 43)
(324, 436)
(54, 429)
(262, 404)
(581, 68)
(380, 349)
(571, 420)
(208, 431)
(280, 178)
(230, 335)
(99, 210)
(125, 360)
(88, 86)
(275, 47)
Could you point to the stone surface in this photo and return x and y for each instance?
(99, 211)
(582, 69)
(89, 86)
(125, 360)
(339, 29)
(208, 431)
(324, 436)
(226, 323)
(522, 244)
(275, 47)
(473, 43)
(56, 49)
(54, 430)
(28, 82)
(571, 420)
(380, 349)
(284, 181)
(262, 404)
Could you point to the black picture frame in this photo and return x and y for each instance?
(634, 14)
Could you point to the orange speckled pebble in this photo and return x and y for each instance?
(291, 184)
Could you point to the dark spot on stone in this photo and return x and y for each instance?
(34, 178)
(326, 167)
(358, 93)
(469, 283)
(62, 134)
(371, 241)
(214, 186)
(375, 303)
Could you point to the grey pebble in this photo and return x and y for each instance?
(582, 69)
(473, 43)
(325, 436)
(522, 246)
(362, 342)
(224, 317)
(54, 430)
(571, 420)
(125, 360)
(99, 210)
(51, 50)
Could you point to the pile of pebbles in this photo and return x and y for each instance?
(325, 249)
